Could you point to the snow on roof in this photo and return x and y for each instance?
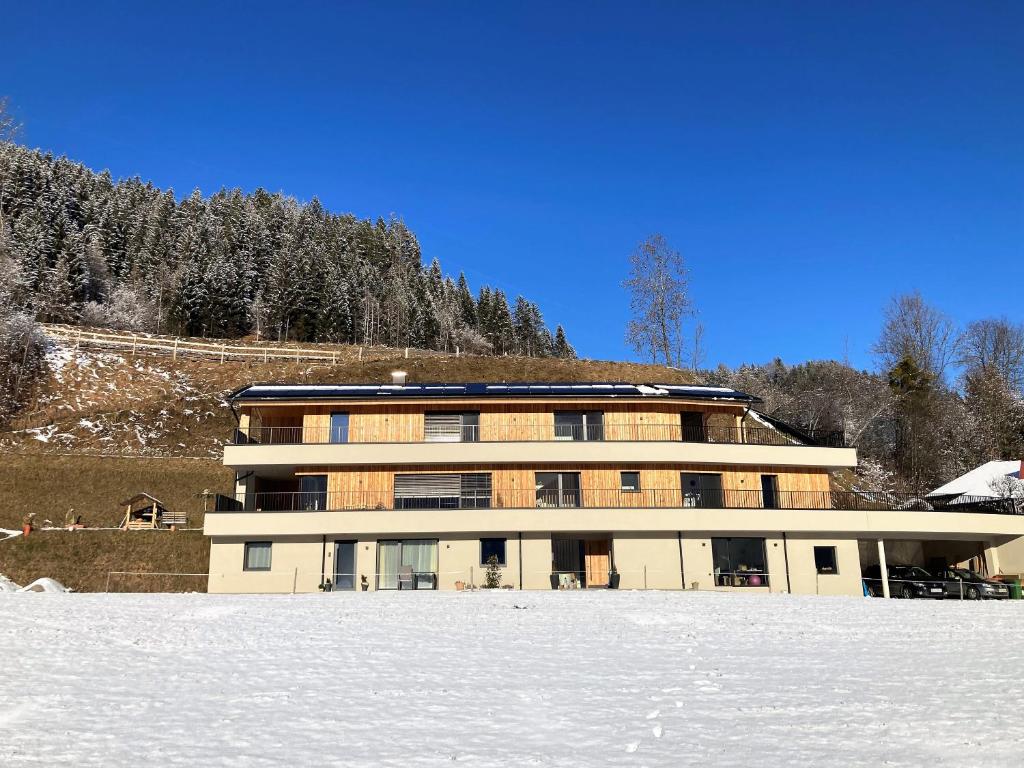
(978, 482)
(526, 389)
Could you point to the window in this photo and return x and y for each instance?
(407, 564)
(630, 482)
(257, 556)
(702, 490)
(739, 562)
(579, 425)
(440, 427)
(492, 548)
(448, 491)
(693, 428)
(558, 489)
(339, 428)
(312, 492)
(825, 560)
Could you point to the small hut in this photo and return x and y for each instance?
(144, 511)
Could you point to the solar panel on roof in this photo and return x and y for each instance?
(479, 389)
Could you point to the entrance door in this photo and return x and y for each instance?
(694, 430)
(597, 559)
(770, 491)
(344, 565)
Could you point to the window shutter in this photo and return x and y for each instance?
(442, 427)
(427, 486)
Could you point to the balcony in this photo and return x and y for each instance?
(282, 449)
(668, 498)
(608, 432)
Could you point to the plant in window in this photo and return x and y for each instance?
(492, 576)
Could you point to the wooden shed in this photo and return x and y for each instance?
(143, 511)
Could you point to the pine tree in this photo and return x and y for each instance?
(467, 307)
(562, 348)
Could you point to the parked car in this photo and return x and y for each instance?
(971, 585)
(906, 581)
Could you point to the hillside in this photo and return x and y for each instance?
(105, 402)
(107, 424)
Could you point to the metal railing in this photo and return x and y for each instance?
(609, 432)
(602, 498)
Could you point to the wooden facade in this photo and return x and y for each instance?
(514, 485)
(512, 420)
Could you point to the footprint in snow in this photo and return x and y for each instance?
(633, 746)
(654, 714)
(657, 731)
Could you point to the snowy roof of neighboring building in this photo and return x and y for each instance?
(483, 390)
(978, 482)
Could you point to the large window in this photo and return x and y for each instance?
(312, 492)
(739, 562)
(448, 491)
(702, 489)
(825, 560)
(558, 489)
(492, 548)
(407, 564)
(339, 428)
(441, 427)
(257, 556)
(579, 425)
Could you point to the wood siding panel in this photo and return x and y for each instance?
(499, 421)
(514, 485)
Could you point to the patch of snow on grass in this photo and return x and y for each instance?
(659, 679)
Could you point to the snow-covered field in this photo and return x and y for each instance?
(509, 679)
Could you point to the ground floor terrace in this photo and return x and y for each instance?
(272, 553)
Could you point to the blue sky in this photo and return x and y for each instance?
(808, 159)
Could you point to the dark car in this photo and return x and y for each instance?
(970, 585)
(906, 581)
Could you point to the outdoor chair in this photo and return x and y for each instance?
(405, 577)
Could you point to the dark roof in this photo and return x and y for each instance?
(484, 390)
(142, 497)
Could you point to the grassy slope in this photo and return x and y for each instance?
(145, 415)
(82, 559)
(94, 486)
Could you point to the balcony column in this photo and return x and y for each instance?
(883, 568)
(741, 429)
(244, 488)
(992, 558)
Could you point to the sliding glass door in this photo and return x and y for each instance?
(407, 564)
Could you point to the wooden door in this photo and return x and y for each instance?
(597, 554)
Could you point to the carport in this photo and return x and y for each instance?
(931, 554)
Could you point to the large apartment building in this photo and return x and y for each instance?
(565, 486)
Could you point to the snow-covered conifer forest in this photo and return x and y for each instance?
(76, 246)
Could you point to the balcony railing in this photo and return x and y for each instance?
(596, 498)
(609, 432)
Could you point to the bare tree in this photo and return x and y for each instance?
(913, 329)
(9, 130)
(995, 346)
(697, 359)
(9, 127)
(659, 300)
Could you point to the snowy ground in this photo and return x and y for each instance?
(509, 679)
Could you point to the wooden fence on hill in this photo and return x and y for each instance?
(222, 351)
